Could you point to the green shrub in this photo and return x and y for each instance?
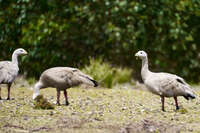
(107, 75)
(123, 75)
(31, 80)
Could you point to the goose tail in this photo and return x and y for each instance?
(88, 80)
(91, 82)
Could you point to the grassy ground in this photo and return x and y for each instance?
(98, 111)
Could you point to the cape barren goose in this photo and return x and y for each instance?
(9, 70)
(62, 78)
(164, 84)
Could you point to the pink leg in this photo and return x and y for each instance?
(58, 97)
(176, 101)
(163, 103)
(9, 85)
(66, 98)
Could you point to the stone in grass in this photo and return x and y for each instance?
(42, 103)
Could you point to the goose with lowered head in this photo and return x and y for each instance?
(62, 78)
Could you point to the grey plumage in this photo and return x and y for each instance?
(9, 69)
(164, 84)
(62, 78)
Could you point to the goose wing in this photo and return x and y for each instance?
(58, 77)
(84, 78)
(8, 72)
(168, 84)
(64, 77)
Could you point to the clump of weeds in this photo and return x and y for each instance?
(42, 103)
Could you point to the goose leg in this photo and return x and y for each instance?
(66, 98)
(9, 85)
(163, 103)
(176, 101)
(0, 93)
(58, 97)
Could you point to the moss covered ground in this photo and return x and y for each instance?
(98, 110)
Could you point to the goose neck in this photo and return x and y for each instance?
(15, 58)
(145, 68)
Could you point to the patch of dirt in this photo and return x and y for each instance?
(13, 126)
(149, 126)
(70, 123)
(41, 129)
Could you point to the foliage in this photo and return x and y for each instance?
(42, 103)
(69, 32)
(31, 81)
(106, 74)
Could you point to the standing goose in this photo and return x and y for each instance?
(164, 84)
(62, 78)
(9, 70)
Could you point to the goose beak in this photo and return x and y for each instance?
(136, 55)
(35, 95)
(25, 52)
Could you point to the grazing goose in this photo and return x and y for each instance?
(9, 70)
(164, 84)
(62, 78)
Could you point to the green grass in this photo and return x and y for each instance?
(98, 110)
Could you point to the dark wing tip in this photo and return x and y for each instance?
(189, 96)
(180, 81)
(95, 83)
(192, 97)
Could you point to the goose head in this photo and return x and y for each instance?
(20, 51)
(141, 54)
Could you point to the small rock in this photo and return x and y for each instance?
(73, 113)
(25, 118)
(89, 113)
(142, 110)
(98, 119)
(124, 108)
(152, 129)
(51, 113)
